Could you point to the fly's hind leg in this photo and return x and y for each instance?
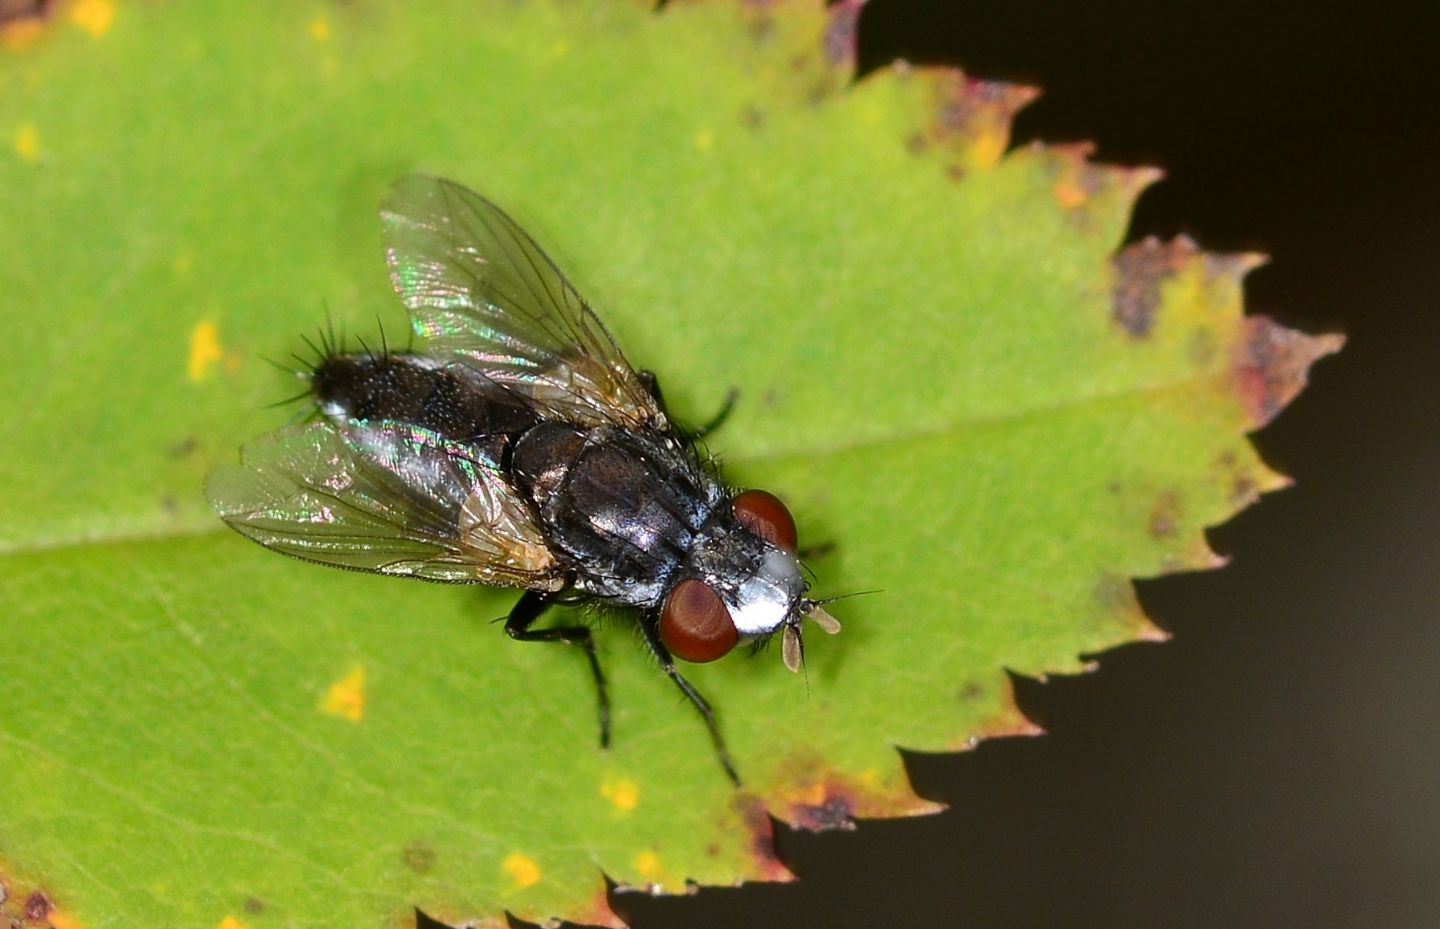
(517, 625)
(652, 386)
(667, 664)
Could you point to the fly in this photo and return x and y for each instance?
(519, 448)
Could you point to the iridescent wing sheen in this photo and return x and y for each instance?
(384, 497)
(481, 292)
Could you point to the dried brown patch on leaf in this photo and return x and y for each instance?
(768, 866)
(815, 797)
(1140, 270)
(971, 117)
(1271, 364)
(841, 30)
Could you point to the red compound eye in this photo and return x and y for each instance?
(695, 625)
(763, 514)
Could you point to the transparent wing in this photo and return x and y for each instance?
(387, 498)
(480, 291)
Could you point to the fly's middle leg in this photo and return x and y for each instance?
(517, 625)
(652, 386)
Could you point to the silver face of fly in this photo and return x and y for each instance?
(517, 447)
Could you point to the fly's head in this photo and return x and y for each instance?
(743, 582)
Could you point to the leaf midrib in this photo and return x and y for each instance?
(898, 438)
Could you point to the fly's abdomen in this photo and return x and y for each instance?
(456, 403)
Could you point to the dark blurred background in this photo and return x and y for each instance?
(1278, 763)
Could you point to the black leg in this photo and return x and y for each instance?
(817, 550)
(652, 386)
(528, 609)
(667, 664)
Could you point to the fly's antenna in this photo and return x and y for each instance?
(855, 593)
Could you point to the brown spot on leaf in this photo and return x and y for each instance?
(419, 858)
(1271, 364)
(183, 448)
(1140, 270)
(762, 27)
(1165, 514)
(969, 692)
(752, 118)
(1201, 347)
(253, 905)
(38, 906)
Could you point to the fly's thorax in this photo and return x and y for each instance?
(543, 458)
(622, 506)
(761, 584)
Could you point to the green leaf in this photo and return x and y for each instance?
(945, 368)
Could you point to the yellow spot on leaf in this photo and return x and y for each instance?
(1069, 193)
(522, 869)
(814, 794)
(346, 697)
(27, 142)
(19, 33)
(204, 350)
(648, 864)
(230, 922)
(988, 148)
(94, 16)
(624, 793)
(61, 919)
(319, 29)
(560, 49)
(704, 140)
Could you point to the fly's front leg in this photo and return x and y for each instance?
(523, 615)
(667, 664)
(652, 386)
